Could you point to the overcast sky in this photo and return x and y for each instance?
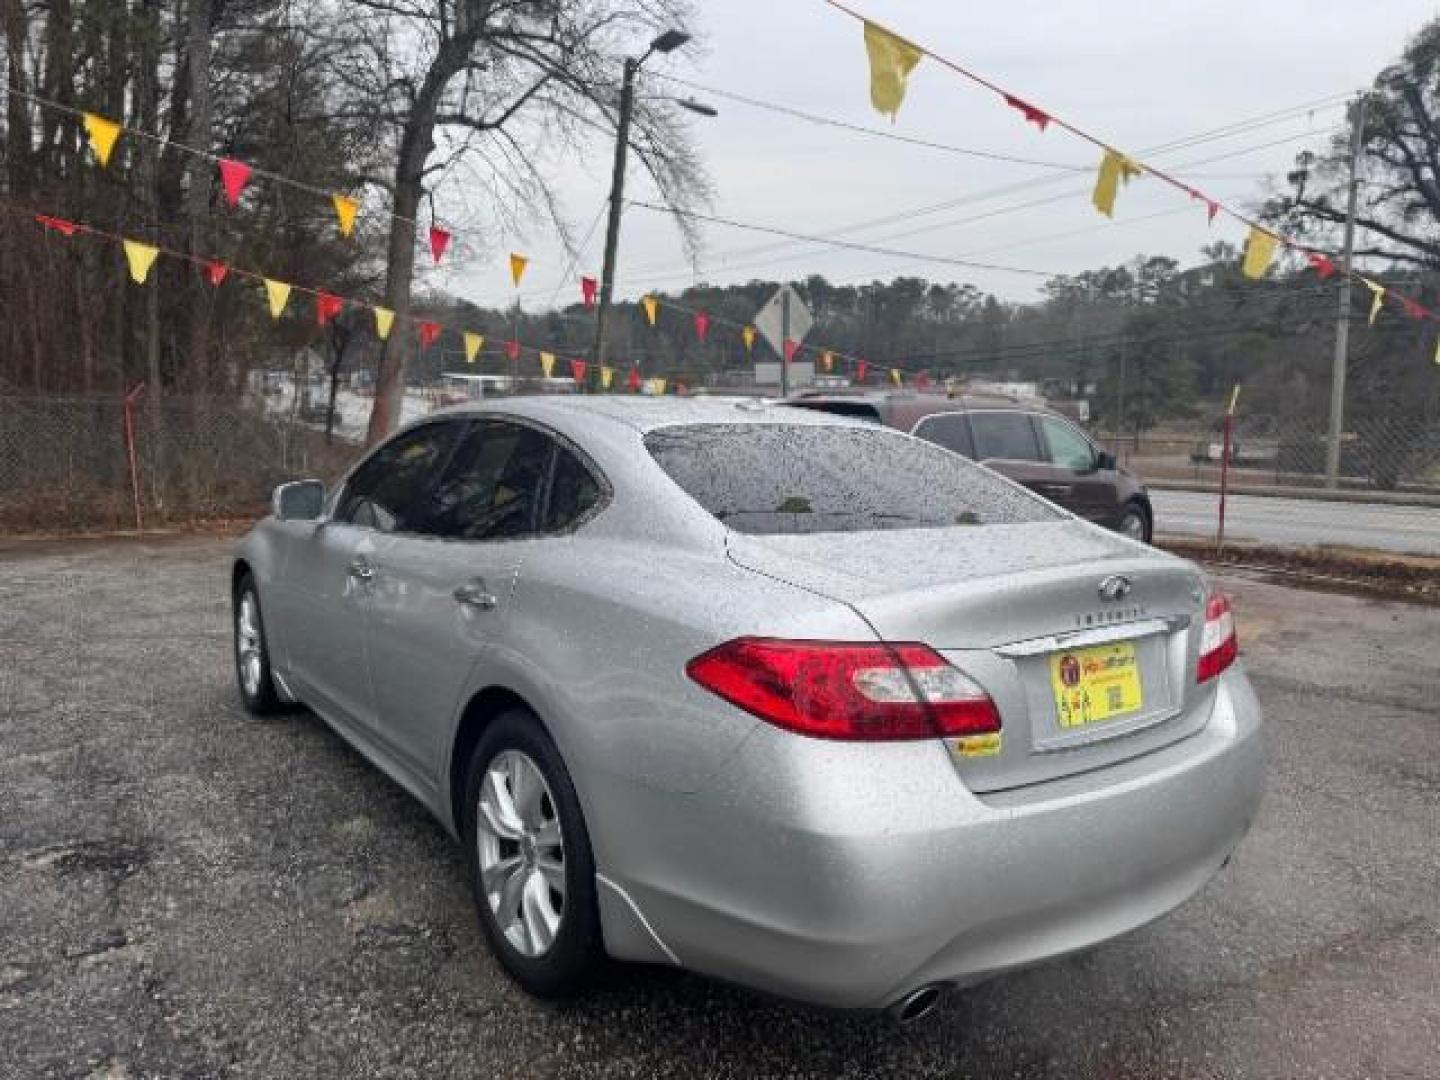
(1137, 73)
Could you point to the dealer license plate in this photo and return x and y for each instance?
(1095, 684)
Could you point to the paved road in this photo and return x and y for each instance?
(186, 892)
(1306, 522)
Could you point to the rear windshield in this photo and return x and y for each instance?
(794, 478)
(861, 409)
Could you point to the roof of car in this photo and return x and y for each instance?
(645, 413)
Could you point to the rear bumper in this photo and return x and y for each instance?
(849, 875)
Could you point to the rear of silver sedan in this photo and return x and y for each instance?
(1045, 744)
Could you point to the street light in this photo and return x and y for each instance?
(666, 42)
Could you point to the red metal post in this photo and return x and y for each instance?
(1225, 452)
(130, 399)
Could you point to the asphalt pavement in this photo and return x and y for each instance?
(1414, 530)
(187, 892)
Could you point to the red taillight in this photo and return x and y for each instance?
(1218, 643)
(837, 690)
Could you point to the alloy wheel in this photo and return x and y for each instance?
(522, 853)
(248, 644)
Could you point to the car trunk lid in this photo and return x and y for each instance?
(1008, 604)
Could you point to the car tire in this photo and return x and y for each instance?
(1135, 523)
(253, 674)
(532, 862)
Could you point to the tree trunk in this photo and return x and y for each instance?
(416, 142)
(197, 195)
(17, 116)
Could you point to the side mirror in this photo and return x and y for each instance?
(1105, 461)
(303, 500)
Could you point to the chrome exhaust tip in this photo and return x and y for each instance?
(916, 1005)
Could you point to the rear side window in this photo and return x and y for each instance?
(574, 492)
(492, 487)
(1004, 436)
(947, 430)
(792, 478)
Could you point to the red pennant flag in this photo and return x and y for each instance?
(679, 387)
(861, 367)
(216, 272)
(1038, 117)
(328, 306)
(588, 285)
(633, 382)
(1321, 264)
(790, 347)
(577, 370)
(702, 325)
(60, 225)
(429, 331)
(234, 175)
(512, 349)
(922, 381)
(439, 241)
(1414, 310)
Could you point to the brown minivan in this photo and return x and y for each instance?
(1027, 442)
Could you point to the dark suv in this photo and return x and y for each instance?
(1029, 443)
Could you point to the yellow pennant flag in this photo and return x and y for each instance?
(547, 363)
(1115, 170)
(896, 377)
(607, 376)
(891, 61)
(473, 344)
(1377, 291)
(140, 257)
(278, 293)
(748, 336)
(1259, 253)
(657, 387)
(384, 320)
(827, 360)
(345, 209)
(652, 308)
(103, 134)
(1437, 350)
(517, 267)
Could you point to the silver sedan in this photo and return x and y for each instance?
(781, 697)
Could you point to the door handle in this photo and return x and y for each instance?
(474, 593)
(1055, 489)
(361, 568)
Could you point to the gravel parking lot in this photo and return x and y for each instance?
(186, 892)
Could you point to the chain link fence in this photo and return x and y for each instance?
(1390, 455)
(66, 462)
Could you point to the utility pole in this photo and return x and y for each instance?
(667, 42)
(617, 198)
(1342, 323)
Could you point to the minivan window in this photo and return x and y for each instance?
(947, 430)
(793, 478)
(1004, 436)
(1067, 448)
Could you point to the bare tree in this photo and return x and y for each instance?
(500, 86)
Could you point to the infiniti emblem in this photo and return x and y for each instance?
(1115, 587)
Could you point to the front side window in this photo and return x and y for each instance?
(1004, 436)
(1066, 447)
(387, 491)
(493, 485)
(793, 478)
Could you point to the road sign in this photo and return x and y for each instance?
(784, 318)
(770, 320)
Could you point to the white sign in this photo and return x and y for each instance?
(771, 318)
